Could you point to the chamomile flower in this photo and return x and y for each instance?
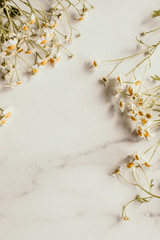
(147, 134)
(53, 24)
(33, 19)
(94, 64)
(7, 113)
(48, 33)
(122, 104)
(131, 107)
(43, 62)
(116, 172)
(11, 44)
(121, 80)
(34, 69)
(42, 40)
(139, 158)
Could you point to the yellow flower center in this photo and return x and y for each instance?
(12, 47)
(136, 157)
(119, 79)
(44, 41)
(35, 70)
(25, 28)
(9, 114)
(148, 115)
(55, 25)
(81, 19)
(130, 165)
(58, 58)
(138, 83)
(139, 132)
(130, 90)
(147, 164)
(29, 52)
(140, 113)
(95, 63)
(44, 62)
(117, 171)
(146, 134)
(144, 121)
(121, 104)
(133, 118)
(52, 60)
(33, 21)
(104, 79)
(3, 122)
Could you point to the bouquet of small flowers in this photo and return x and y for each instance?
(139, 103)
(33, 36)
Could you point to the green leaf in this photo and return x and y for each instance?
(156, 13)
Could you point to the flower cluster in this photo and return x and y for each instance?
(139, 103)
(32, 37)
(134, 172)
(34, 32)
(136, 105)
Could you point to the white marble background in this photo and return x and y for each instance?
(58, 150)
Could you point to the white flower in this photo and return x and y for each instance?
(130, 90)
(13, 41)
(48, 33)
(11, 44)
(11, 35)
(34, 69)
(131, 107)
(43, 62)
(147, 134)
(55, 61)
(139, 158)
(7, 113)
(118, 170)
(33, 18)
(42, 40)
(144, 132)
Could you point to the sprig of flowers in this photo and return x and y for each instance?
(135, 173)
(32, 36)
(139, 104)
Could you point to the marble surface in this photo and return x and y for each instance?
(60, 147)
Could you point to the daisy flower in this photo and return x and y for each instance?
(34, 69)
(122, 104)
